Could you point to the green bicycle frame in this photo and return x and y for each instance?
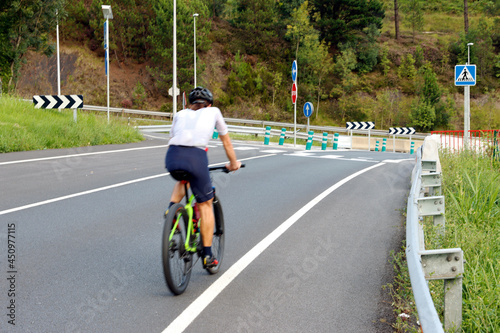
(190, 227)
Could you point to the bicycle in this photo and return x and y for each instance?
(182, 237)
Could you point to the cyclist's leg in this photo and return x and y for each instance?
(178, 192)
(207, 222)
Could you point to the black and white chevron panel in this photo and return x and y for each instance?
(401, 130)
(360, 125)
(58, 101)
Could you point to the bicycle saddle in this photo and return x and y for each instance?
(180, 175)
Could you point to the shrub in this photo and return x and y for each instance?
(126, 103)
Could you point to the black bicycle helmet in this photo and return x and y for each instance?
(201, 95)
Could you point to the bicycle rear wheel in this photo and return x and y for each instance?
(218, 239)
(177, 261)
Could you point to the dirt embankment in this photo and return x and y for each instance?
(82, 73)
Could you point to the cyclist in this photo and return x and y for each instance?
(191, 131)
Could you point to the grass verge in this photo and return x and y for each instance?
(471, 185)
(22, 127)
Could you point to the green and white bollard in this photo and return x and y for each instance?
(282, 136)
(384, 144)
(335, 141)
(412, 146)
(325, 141)
(376, 146)
(268, 135)
(215, 135)
(309, 140)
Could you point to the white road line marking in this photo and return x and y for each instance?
(104, 188)
(83, 154)
(199, 304)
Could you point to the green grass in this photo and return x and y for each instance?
(22, 127)
(471, 185)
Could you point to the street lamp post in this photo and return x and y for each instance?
(58, 60)
(467, 104)
(108, 14)
(195, 15)
(174, 87)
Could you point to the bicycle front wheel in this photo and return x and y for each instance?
(218, 239)
(177, 261)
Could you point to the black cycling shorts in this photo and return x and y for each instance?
(195, 161)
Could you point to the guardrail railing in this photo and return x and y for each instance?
(425, 199)
(260, 123)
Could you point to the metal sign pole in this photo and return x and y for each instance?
(466, 116)
(295, 123)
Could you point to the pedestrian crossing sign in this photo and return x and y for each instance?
(465, 75)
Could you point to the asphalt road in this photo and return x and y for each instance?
(307, 242)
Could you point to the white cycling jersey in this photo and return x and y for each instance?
(195, 128)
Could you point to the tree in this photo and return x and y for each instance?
(313, 56)
(161, 41)
(396, 18)
(256, 20)
(300, 27)
(430, 94)
(414, 15)
(466, 16)
(25, 25)
(423, 116)
(340, 21)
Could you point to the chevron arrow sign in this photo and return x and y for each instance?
(58, 101)
(360, 125)
(401, 130)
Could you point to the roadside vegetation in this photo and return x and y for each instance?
(373, 65)
(471, 185)
(22, 127)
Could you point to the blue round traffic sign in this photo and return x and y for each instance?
(308, 109)
(294, 71)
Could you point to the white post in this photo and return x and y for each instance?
(195, 15)
(174, 88)
(107, 61)
(58, 60)
(108, 14)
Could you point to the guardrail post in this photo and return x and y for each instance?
(376, 145)
(430, 166)
(309, 140)
(268, 135)
(215, 135)
(325, 141)
(433, 206)
(447, 265)
(412, 147)
(433, 182)
(335, 141)
(383, 144)
(282, 136)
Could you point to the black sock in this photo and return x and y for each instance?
(207, 251)
(171, 204)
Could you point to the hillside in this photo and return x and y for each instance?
(385, 98)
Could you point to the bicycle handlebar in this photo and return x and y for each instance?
(223, 168)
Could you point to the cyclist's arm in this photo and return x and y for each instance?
(234, 164)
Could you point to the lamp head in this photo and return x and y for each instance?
(107, 12)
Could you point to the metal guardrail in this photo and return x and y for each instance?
(260, 123)
(424, 265)
(234, 129)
